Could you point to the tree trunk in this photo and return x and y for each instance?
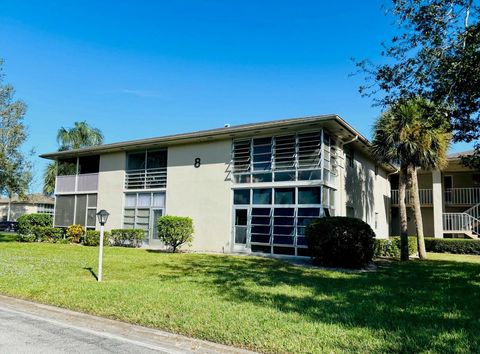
(9, 210)
(402, 189)
(417, 212)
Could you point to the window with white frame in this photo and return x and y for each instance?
(277, 217)
(295, 157)
(139, 210)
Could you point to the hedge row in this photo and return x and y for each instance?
(453, 245)
(92, 238)
(44, 234)
(38, 228)
(127, 237)
(391, 247)
(27, 222)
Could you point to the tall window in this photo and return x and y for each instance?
(294, 157)
(274, 219)
(142, 210)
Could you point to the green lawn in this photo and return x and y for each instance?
(8, 237)
(258, 303)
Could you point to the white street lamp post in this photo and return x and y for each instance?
(102, 216)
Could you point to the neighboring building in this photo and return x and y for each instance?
(33, 203)
(247, 188)
(450, 201)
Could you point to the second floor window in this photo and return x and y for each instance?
(293, 157)
(145, 160)
(146, 169)
(81, 165)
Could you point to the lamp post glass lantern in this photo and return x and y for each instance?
(102, 216)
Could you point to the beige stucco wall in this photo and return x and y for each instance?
(425, 180)
(110, 188)
(203, 193)
(461, 179)
(16, 210)
(367, 193)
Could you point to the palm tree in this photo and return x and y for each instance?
(80, 136)
(430, 130)
(49, 176)
(411, 134)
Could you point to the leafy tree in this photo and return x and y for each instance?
(436, 56)
(174, 231)
(79, 136)
(412, 135)
(15, 169)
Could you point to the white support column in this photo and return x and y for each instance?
(437, 194)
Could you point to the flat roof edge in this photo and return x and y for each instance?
(210, 133)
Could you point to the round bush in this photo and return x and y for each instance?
(174, 231)
(340, 242)
(75, 233)
(27, 222)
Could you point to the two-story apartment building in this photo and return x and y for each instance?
(450, 201)
(248, 188)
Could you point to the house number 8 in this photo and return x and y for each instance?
(197, 162)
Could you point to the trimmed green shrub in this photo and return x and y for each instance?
(28, 221)
(48, 234)
(75, 233)
(127, 237)
(391, 247)
(453, 245)
(92, 238)
(175, 231)
(340, 242)
(27, 238)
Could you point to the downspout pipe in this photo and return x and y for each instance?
(350, 141)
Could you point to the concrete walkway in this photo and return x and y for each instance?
(27, 327)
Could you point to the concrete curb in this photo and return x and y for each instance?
(134, 334)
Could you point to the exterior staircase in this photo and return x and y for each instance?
(466, 223)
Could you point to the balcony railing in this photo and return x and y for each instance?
(426, 197)
(461, 223)
(462, 196)
(146, 179)
(77, 183)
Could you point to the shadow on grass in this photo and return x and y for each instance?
(8, 237)
(419, 305)
(90, 269)
(152, 250)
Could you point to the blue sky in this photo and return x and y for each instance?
(139, 69)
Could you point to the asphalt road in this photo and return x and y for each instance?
(29, 327)
(25, 333)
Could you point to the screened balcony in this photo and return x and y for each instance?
(146, 169)
(77, 175)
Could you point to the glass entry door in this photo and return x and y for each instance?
(156, 213)
(241, 226)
